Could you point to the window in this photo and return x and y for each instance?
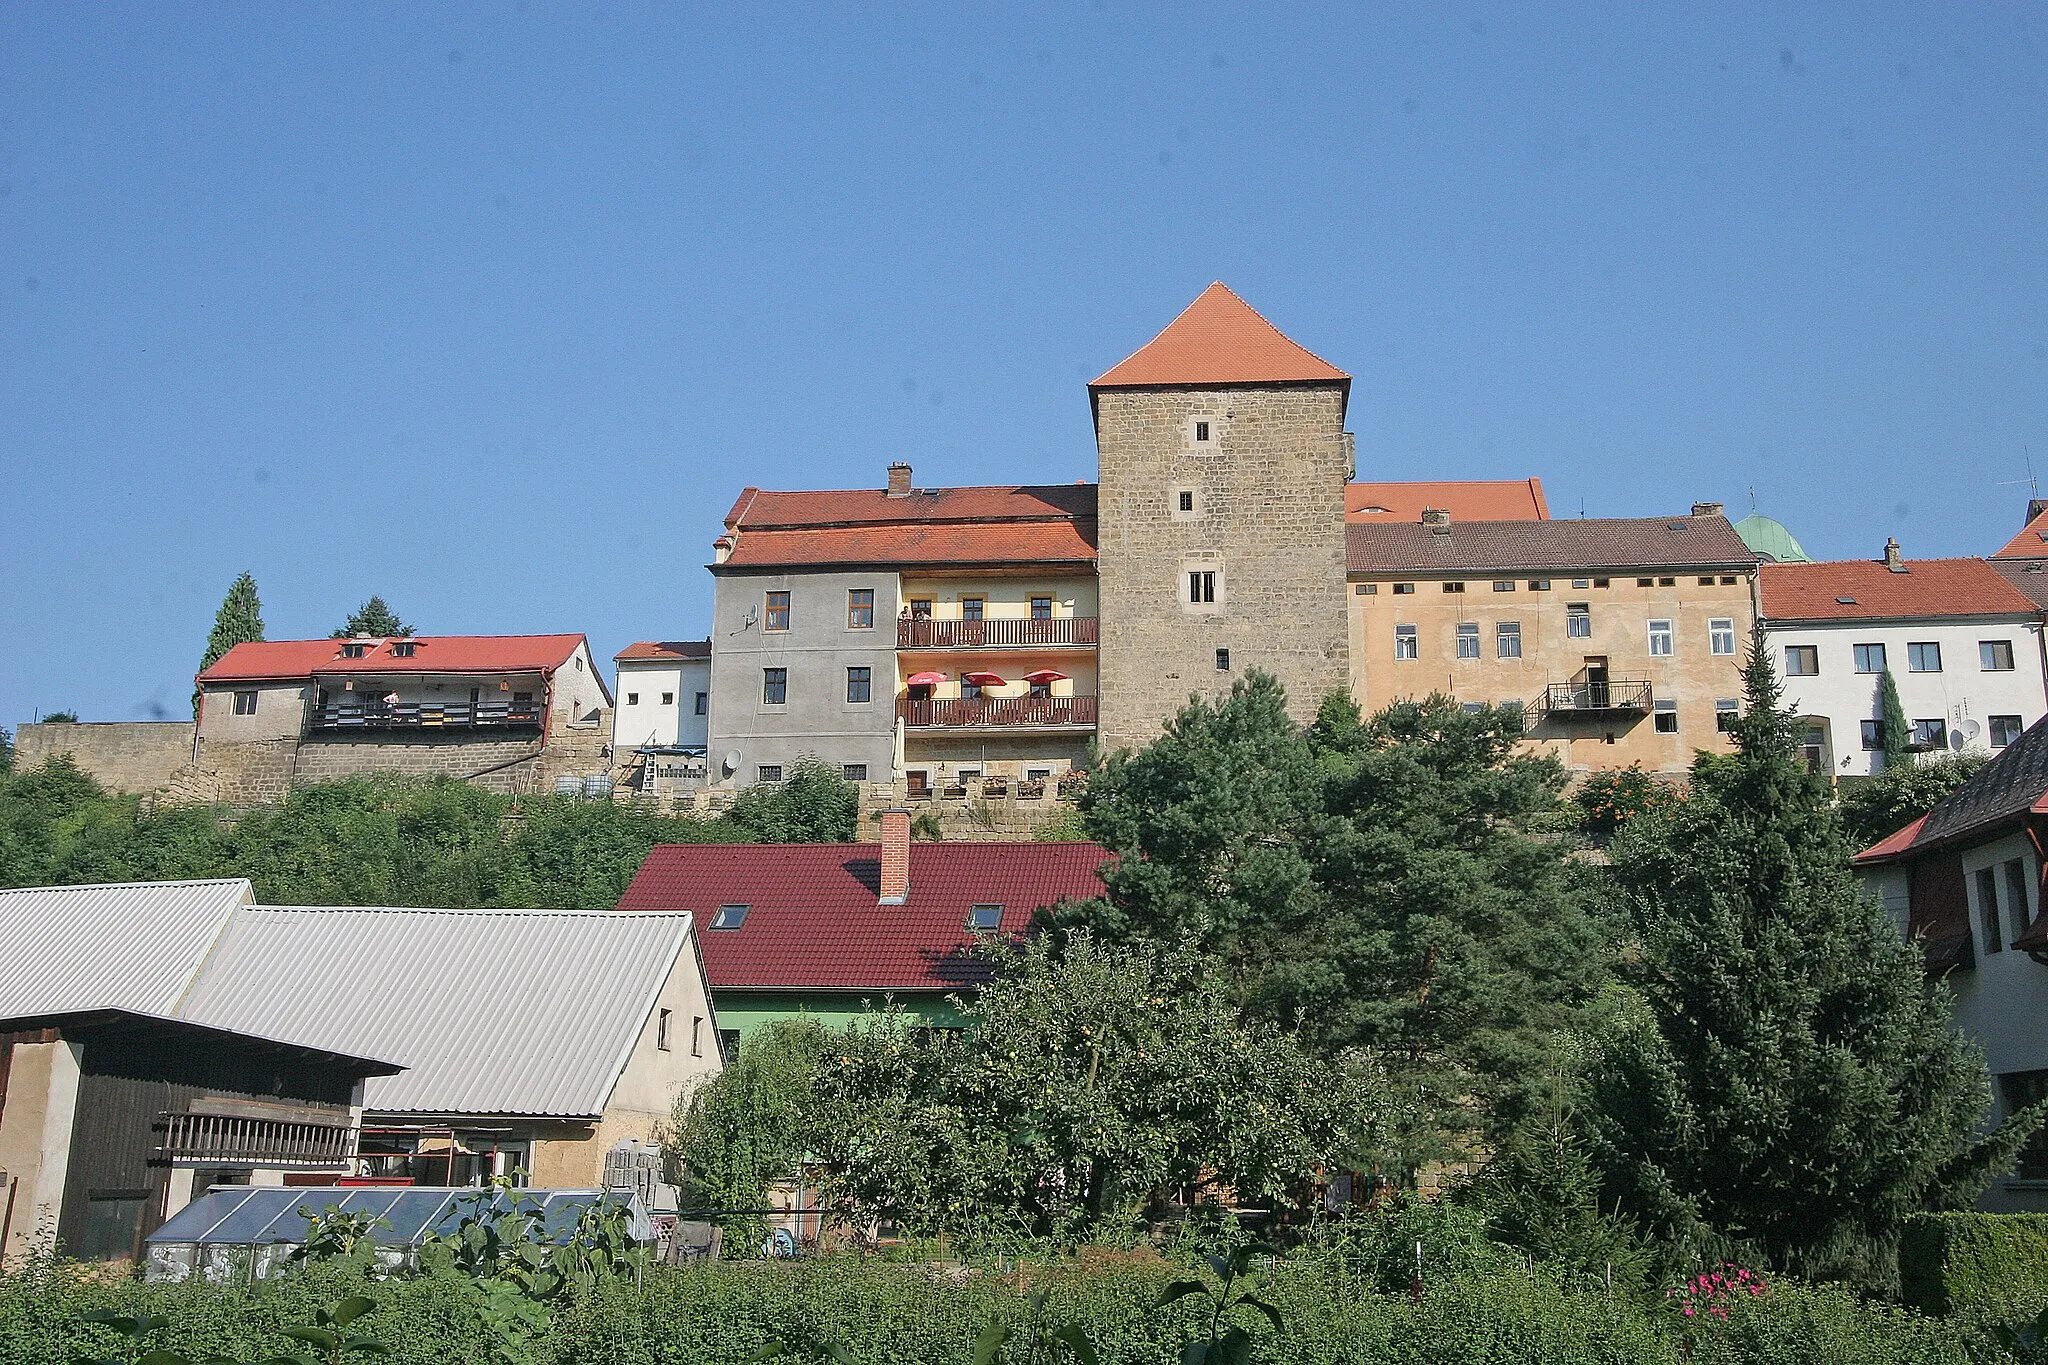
(632, 699)
(404, 649)
(1473, 708)
(2004, 730)
(1923, 657)
(1454, 586)
(729, 916)
(1367, 590)
(1507, 640)
(1645, 582)
(668, 699)
(1468, 640)
(1041, 688)
(1930, 734)
(1660, 637)
(920, 608)
(1600, 582)
(1667, 582)
(113, 1223)
(729, 1045)
(1728, 580)
(1038, 774)
(778, 611)
(1201, 433)
(1041, 609)
(1404, 642)
(1539, 585)
(522, 700)
(774, 686)
(859, 684)
(969, 690)
(354, 651)
(1802, 661)
(2016, 894)
(1201, 586)
(860, 608)
(1666, 717)
(1222, 661)
(1504, 585)
(1873, 736)
(1706, 580)
(985, 917)
(1721, 634)
(1994, 656)
(1187, 499)
(696, 1035)
(703, 703)
(1987, 910)
(1404, 589)
(854, 772)
(2020, 1089)
(1869, 658)
(973, 608)
(661, 1019)
(1578, 620)
(245, 703)
(768, 772)
(1726, 711)
(1582, 582)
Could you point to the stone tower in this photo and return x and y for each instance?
(1222, 461)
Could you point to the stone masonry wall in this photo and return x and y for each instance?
(255, 773)
(501, 765)
(1269, 518)
(125, 756)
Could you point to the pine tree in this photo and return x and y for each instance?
(1785, 1084)
(373, 618)
(1891, 724)
(239, 621)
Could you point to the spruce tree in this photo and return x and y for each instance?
(239, 621)
(1891, 724)
(374, 618)
(1785, 1085)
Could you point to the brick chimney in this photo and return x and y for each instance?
(899, 479)
(1708, 509)
(1893, 560)
(895, 857)
(1437, 519)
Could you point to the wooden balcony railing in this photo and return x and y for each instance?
(949, 712)
(236, 1140)
(489, 715)
(1596, 698)
(922, 632)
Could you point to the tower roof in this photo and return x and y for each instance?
(1771, 539)
(1219, 339)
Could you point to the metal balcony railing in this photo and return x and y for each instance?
(1596, 698)
(489, 715)
(235, 1140)
(923, 632)
(948, 712)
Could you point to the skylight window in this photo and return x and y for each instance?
(729, 916)
(985, 917)
(1845, 601)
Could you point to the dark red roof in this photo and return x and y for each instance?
(1582, 543)
(1219, 339)
(758, 509)
(955, 543)
(1864, 589)
(666, 649)
(813, 922)
(285, 660)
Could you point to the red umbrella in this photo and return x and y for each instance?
(1045, 675)
(925, 679)
(984, 679)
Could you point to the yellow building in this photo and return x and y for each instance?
(1622, 639)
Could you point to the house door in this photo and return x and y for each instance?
(1597, 694)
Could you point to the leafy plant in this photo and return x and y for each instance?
(1607, 801)
(1041, 1343)
(134, 1332)
(748, 1126)
(329, 1336)
(1232, 1287)
(335, 1234)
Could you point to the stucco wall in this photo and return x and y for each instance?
(642, 717)
(124, 756)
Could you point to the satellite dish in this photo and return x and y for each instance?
(1971, 729)
(753, 615)
(732, 761)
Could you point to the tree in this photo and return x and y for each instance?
(239, 621)
(1085, 1086)
(1783, 1084)
(1893, 732)
(748, 1127)
(6, 751)
(1897, 796)
(373, 618)
(1374, 878)
(815, 804)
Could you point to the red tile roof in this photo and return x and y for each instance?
(286, 660)
(1219, 339)
(1582, 543)
(758, 509)
(1893, 844)
(2030, 543)
(813, 923)
(1931, 588)
(665, 649)
(1048, 542)
(1467, 500)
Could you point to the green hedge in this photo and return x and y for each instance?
(895, 1314)
(1985, 1267)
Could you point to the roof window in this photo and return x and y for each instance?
(404, 649)
(354, 650)
(729, 916)
(1845, 601)
(985, 917)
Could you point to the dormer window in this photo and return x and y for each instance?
(403, 649)
(354, 651)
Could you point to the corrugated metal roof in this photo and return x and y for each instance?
(491, 1011)
(131, 945)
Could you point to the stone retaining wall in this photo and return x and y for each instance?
(125, 756)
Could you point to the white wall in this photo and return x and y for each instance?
(644, 718)
(1961, 693)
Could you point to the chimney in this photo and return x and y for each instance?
(895, 857)
(899, 479)
(1437, 519)
(1893, 560)
(1708, 509)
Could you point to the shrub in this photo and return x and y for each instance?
(1983, 1267)
(1607, 801)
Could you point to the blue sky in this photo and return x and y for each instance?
(493, 309)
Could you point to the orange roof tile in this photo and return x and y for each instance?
(757, 509)
(665, 649)
(1466, 500)
(1931, 588)
(2030, 543)
(964, 543)
(1219, 339)
(282, 660)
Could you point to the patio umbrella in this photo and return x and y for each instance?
(1045, 675)
(984, 679)
(925, 679)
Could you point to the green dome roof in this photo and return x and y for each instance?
(1770, 539)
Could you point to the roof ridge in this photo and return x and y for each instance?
(102, 886)
(485, 910)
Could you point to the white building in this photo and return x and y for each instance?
(663, 718)
(1962, 645)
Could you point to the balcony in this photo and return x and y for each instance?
(409, 715)
(924, 632)
(1596, 700)
(237, 1141)
(983, 712)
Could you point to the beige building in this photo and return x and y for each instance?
(1621, 639)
